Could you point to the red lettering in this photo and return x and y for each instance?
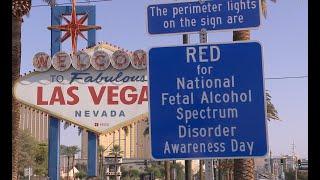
(111, 94)
(75, 98)
(96, 98)
(40, 100)
(57, 96)
(143, 95)
(132, 97)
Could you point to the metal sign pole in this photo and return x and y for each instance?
(92, 154)
(187, 163)
(209, 164)
(54, 124)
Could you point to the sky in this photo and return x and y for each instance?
(283, 36)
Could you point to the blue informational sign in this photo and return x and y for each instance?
(207, 101)
(211, 15)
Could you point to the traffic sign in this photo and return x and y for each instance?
(192, 16)
(207, 101)
(28, 171)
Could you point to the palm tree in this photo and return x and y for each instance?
(166, 163)
(65, 150)
(244, 168)
(69, 151)
(20, 8)
(116, 152)
(74, 150)
(100, 151)
(167, 170)
(201, 162)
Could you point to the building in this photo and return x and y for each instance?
(131, 138)
(290, 162)
(34, 121)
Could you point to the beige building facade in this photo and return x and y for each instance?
(35, 122)
(131, 138)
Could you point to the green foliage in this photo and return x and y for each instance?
(272, 113)
(41, 159)
(69, 150)
(115, 151)
(27, 151)
(130, 174)
(157, 170)
(81, 174)
(179, 169)
(32, 154)
(302, 175)
(50, 2)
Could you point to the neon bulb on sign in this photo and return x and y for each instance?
(41, 62)
(100, 60)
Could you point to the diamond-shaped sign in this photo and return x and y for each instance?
(95, 100)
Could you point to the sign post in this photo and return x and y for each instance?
(54, 124)
(205, 100)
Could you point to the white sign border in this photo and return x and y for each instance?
(61, 117)
(204, 158)
(195, 32)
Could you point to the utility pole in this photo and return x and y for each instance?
(295, 160)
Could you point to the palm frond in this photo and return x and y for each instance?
(272, 113)
(146, 131)
(66, 125)
(80, 130)
(50, 2)
(265, 8)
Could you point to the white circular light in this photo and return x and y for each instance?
(81, 61)
(139, 59)
(61, 61)
(120, 60)
(41, 62)
(100, 60)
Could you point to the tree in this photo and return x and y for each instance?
(80, 175)
(100, 152)
(116, 152)
(69, 151)
(201, 176)
(74, 150)
(20, 8)
(157, 170)
(244, 168)
(27, 145)
(302, 175)
(167, 170)
(179, 170)
(41, 159)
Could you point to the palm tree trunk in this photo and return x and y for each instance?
(201, 169)
(68, 168)
(241, 35)
(16, 60)
(243, 168)
(101, 166)
(167, 170)
(73, 166)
